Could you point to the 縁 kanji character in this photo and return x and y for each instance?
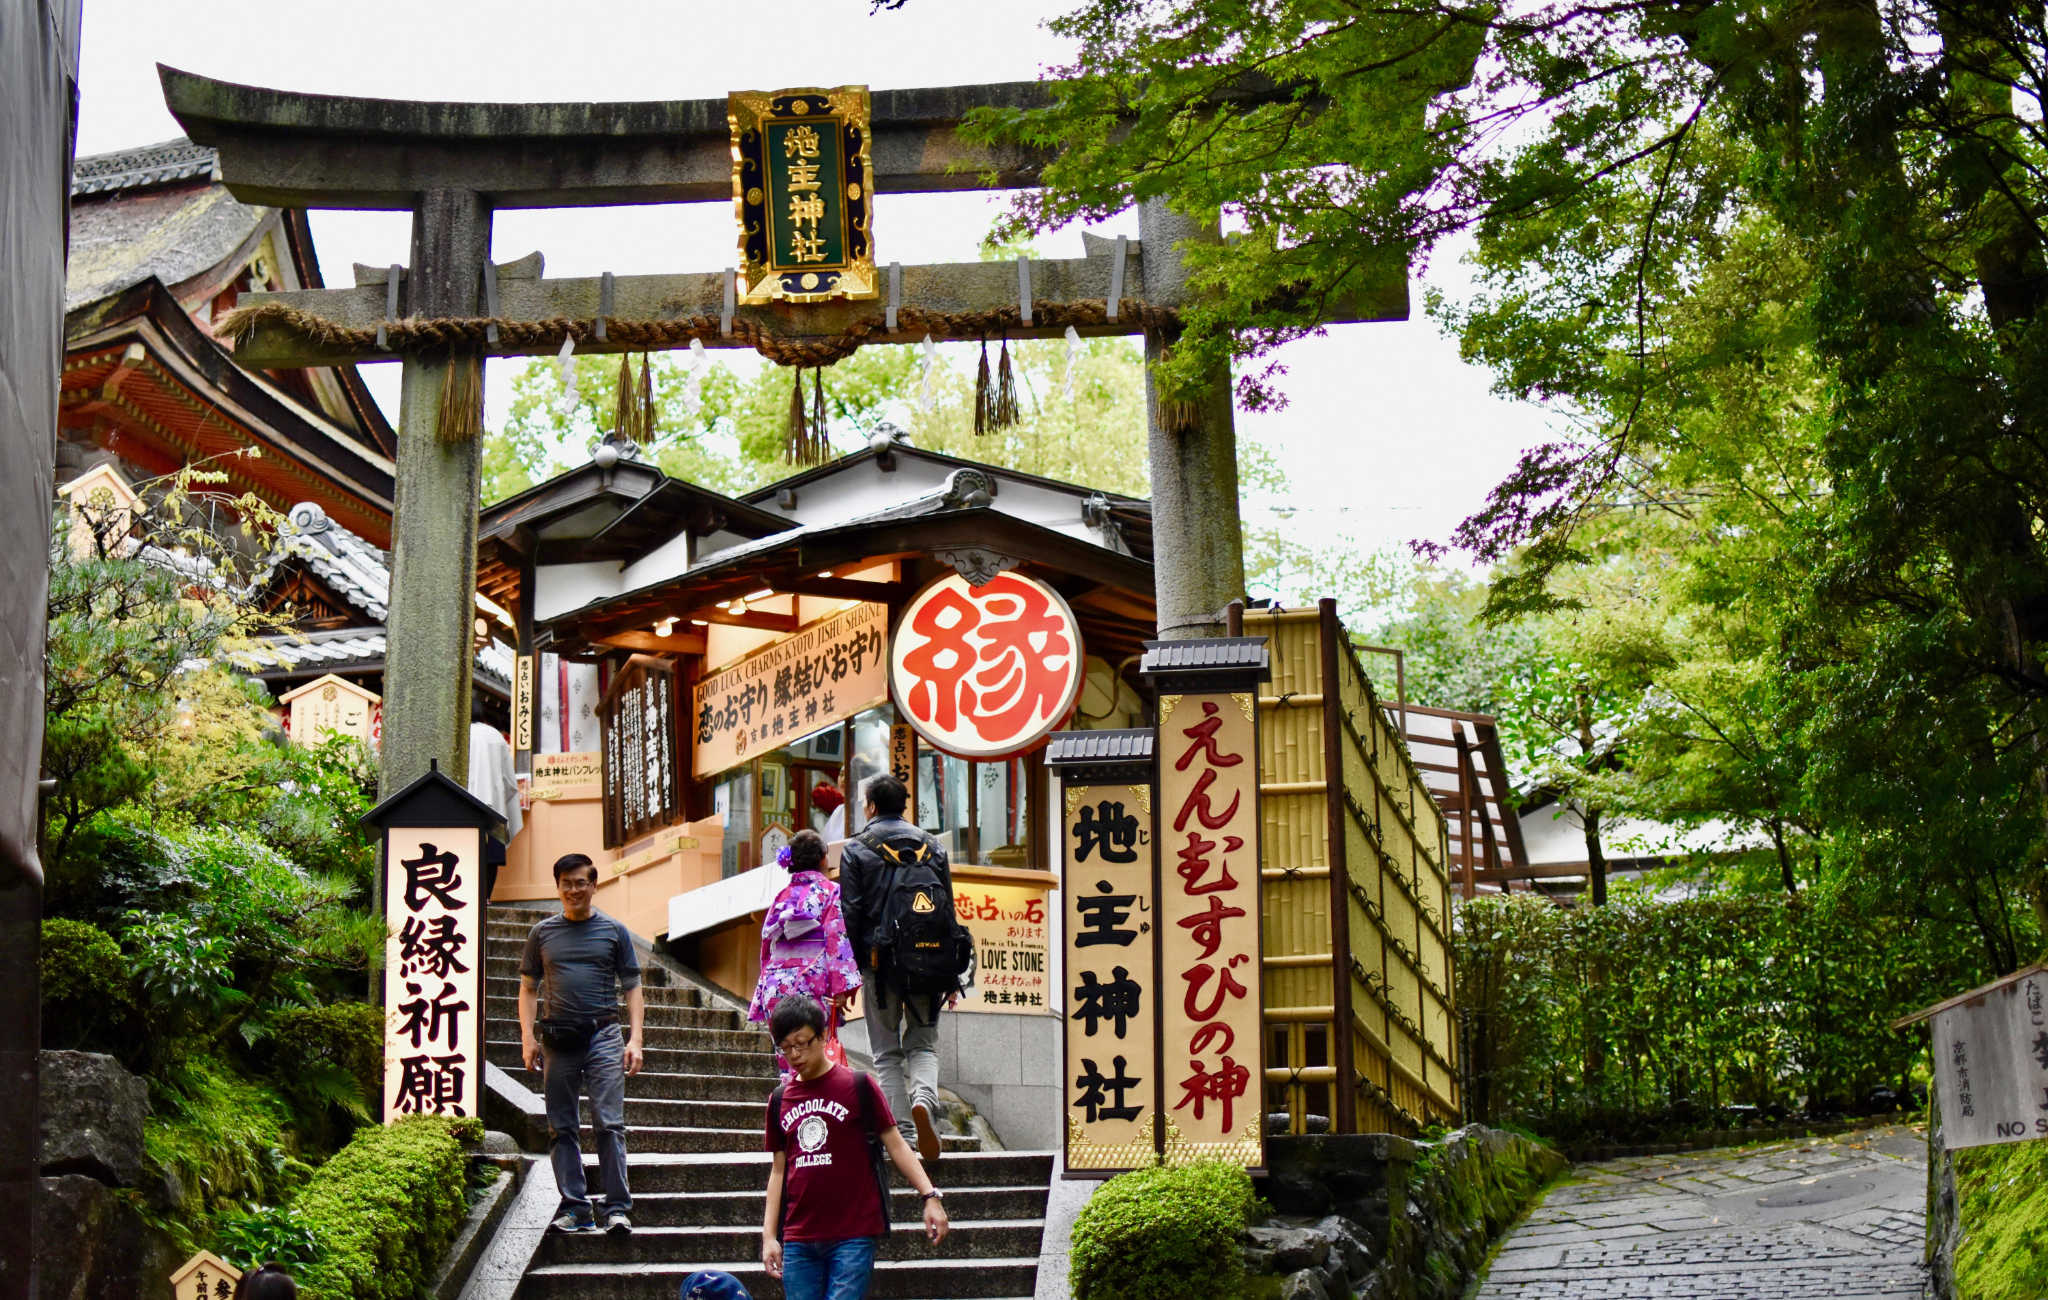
(1095, 1090)
(430, 947)
(1106, 828)
(1223, 1086)
(1118, 1000)
(431, 875)
(1103, 916)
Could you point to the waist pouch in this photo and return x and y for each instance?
(571, 1036)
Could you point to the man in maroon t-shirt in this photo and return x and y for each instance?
(822, 1245)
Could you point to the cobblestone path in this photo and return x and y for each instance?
(1838, 1218)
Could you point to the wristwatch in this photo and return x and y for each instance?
(934, 1195)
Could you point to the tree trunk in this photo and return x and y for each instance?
(1198, 546)
(1596, 858)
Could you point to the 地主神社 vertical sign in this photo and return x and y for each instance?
(1991, 1061)
(433, 964)
(803, 188)
(1211, 1034)
(817, 675)
(1111, 972)
(985, 671)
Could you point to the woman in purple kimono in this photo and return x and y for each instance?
(803, 945)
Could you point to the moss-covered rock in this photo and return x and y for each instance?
(1413, 1220)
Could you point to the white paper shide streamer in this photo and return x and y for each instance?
(693, 385)
(926, 398)
(1073, 359)
(565, 360)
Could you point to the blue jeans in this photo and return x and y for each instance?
(827, 1270)
(601, 1069)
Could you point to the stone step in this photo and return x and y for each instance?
(742, 1208)
(504, 1053)
(505, 984)
(683, 1139)
(969, 1239)
(506, 1008)
(652, 1174)
(908, 1279)
(685, 1087)
(659, 1038)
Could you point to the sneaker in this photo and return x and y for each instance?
(927, 1134)
(570, 1221)
(616, 1224)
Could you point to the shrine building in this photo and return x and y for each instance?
(700, 676)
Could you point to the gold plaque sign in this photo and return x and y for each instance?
(1209, 943)
(803, 189)
(1109, 891)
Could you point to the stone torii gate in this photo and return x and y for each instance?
(452, 164)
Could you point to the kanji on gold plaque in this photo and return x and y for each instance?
(1109, 887)
(803, 187)
(1209, 929)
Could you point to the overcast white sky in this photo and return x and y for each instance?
(1389, 436)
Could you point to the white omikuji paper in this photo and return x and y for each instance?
(1991, 1063)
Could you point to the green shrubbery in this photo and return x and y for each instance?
(1163, 1234)
(84, 983)
(385, 1208)
(1645, 1018)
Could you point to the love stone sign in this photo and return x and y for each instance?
(985, 672)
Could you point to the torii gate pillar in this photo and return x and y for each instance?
(433, 520)
(1194, 470)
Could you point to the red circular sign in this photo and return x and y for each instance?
(986, 672)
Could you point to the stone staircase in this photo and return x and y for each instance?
(694, 1119)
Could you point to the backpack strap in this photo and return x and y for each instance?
(775, 1117)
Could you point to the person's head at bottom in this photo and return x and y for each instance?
(270, 1282)
(797, 1026)
(712, 1285)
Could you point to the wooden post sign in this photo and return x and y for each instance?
(1109, 888)
(1991, 1060)
(205, 1276)
(1210, 944)
(432, 896)
(803, 189)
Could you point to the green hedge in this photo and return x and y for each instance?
(386, 1207)
(1163, 1234)
(1645, 1018)
(85, 990)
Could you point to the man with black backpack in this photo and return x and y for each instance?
(896, 893)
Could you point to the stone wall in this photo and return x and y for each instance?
(1380, 1217)
(1004, 1065)
(90, 1239)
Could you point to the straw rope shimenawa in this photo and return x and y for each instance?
(467, 333)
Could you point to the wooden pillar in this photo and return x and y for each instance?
(1467, 779)
(428, 658)
(1343, 1052)
(1198, 550)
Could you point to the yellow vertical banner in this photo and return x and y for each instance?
(1212, 1048)
(1109, 888)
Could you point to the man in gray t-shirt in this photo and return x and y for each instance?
(583, 959)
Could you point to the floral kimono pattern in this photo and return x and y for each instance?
(804, 950)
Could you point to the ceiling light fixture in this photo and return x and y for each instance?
(762, 594)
